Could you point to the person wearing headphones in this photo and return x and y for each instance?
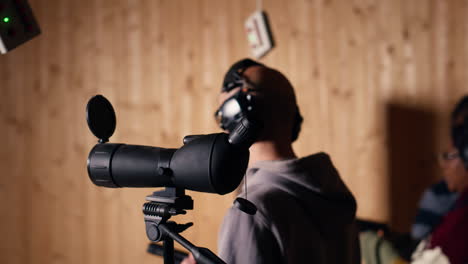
(303, 212)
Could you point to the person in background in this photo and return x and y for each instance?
(305, 213)
(451, 235)
(443, 216)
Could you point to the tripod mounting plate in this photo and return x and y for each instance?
(174, 197)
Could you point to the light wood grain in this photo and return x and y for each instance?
(358, 66)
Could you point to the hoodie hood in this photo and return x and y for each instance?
(313, 181)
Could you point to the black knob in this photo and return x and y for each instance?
(152, 232)
(245, 206)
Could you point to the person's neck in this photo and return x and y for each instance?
(270, 150)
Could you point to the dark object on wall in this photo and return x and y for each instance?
(411, 165)
(17, 24)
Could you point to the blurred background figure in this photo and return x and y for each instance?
(440, 228)
(435, 203)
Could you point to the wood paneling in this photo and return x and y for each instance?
(356, 65)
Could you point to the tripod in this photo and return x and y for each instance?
(161, 206)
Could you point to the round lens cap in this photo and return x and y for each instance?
(101, 119)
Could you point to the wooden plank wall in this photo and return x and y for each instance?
(375, 81)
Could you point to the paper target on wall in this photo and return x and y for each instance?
(259, 34)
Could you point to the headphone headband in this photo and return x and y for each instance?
(233, 75)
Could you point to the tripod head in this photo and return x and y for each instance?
(161, 206)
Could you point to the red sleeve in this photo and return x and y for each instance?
(452, 236)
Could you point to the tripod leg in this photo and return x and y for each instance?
(168, 245)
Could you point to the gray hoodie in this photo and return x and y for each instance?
(305, 214)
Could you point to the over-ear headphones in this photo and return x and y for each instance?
(460, 139)
(239, 113)
(238, 116)
(297, 124)
(460, 129)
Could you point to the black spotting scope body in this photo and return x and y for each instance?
(205, 163)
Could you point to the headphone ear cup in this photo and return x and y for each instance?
(245, 133)
(463, 146)
(297, 125)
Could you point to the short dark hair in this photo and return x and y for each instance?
(461, 109)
